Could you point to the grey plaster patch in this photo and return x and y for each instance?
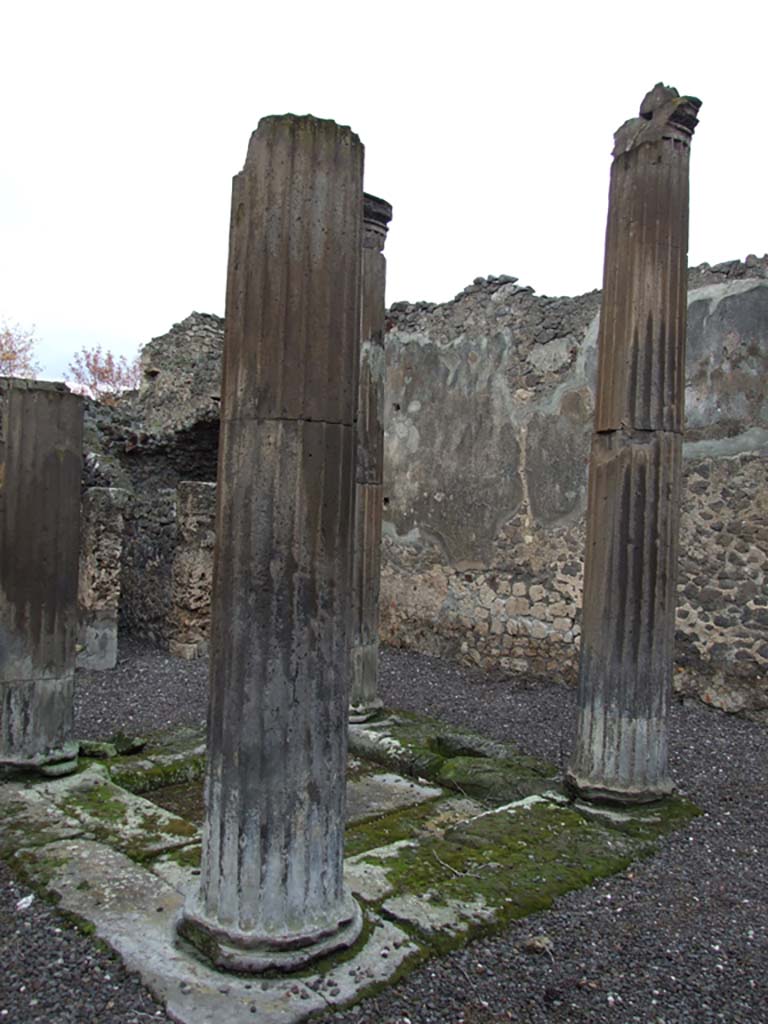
(753, 440)
(98, 645)
(715, 293)
(450, 812)
(384, 792)
(368, 882)
(366, 878)
(433, 917)
(135, 911)
(553, 356)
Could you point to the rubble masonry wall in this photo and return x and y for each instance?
(488, 415)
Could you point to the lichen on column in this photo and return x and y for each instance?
(41, 431)
(635, 466)
(272, 895)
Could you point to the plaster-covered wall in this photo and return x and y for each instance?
(488, 416)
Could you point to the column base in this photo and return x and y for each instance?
(364, 701)
(36, 723)
(602, 792)
(52, 763)
(249, 953)
(359, 713)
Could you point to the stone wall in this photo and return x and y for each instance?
(101, 546)
(488, 419)
(143, 446)
(181, 375)
(722, 617)
(192, 571)
(149, 546)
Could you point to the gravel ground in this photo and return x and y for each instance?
(679, 938)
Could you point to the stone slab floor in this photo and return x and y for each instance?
(449, 836)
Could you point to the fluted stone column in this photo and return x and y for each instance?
(635, 467)
(272, 893)
(41, 452)
(364, 696)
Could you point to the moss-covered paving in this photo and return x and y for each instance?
(500, 842)
(477, 833)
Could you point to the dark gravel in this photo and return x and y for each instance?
(679, 938)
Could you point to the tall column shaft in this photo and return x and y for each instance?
(635, 467)
(272, 893)
(364, 696)
(41, 432)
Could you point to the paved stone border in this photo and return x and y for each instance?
(431, 865)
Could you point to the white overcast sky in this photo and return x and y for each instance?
(488, 126)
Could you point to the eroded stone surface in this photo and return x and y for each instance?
(436, 917)
(123, 820)
(635, 473)
(41, 438)
(101, 548)
(376, 794)
(134, 911)
(272, 891)
(445, 869)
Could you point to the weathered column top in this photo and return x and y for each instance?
(305, 126)
(377, 213)
(664, 114)
(292, 334)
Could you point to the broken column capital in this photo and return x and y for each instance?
(664, 114)
(377, 213)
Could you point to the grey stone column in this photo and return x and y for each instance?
(101, 550)
(41, 454)
(635, 467)
(272, 893)
(364, 698)
(189, 620)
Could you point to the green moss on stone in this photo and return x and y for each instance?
(97, 749)
(37, 869)
(128, 744)
(146, 776)
(155, 824)
(98, 801)
(427, 748)
(496, 780)
(185, 856)
(184, 799)
(404, 823)
(515, 862)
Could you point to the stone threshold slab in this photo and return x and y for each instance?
(134, 911)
